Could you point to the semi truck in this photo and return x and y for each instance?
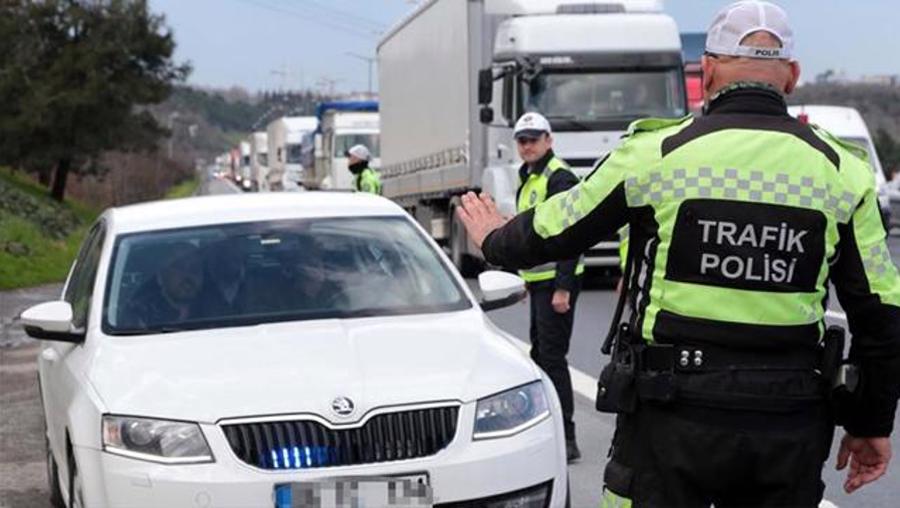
(259, 162)
(343, 124)
(286, 137)
(455, 75)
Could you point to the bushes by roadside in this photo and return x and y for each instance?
(39, 237)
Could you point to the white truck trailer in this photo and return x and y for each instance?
(343, 124)
(259, 162)
(456, 74)
(286, 138)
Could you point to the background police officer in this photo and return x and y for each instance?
(737, 221)
(553, 286)
(365, 179)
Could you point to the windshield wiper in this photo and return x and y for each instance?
(150, 331)
(572, 120)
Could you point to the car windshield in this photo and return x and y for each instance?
(261, 272)
(578, 100)
(343, 142)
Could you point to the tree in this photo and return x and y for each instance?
(79, 82)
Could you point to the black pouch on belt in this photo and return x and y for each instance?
(843, 377)
(617, 387)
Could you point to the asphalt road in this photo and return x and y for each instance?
(23, 481)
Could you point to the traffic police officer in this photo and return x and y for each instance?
(738, 221)
(365, 179)
(553, 287)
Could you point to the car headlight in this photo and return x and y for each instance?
(162, 441)
(511, 412)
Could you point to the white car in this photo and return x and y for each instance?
(261, 349)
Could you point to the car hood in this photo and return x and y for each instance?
(302, 367)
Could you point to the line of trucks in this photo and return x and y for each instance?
(454, 75)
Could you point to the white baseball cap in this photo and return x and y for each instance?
(740, 19)
(359, 151)
(531, 125)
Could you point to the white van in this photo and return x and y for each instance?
(847, 124)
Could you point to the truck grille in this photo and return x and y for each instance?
(306, 444)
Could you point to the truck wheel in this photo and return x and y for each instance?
(465, 263)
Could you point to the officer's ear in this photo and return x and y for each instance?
(708, 64)
(795, 77)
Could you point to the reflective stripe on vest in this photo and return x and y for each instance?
(532, 193)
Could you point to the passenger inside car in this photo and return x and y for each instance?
(173, 295)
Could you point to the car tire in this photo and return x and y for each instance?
(76, 499)
(56, 498)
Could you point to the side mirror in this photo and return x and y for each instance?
(500, 289)
(51, 321)
(317, 144)
(486, 115)
(485, 86)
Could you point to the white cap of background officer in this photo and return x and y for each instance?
(360, 152)
(531, 125)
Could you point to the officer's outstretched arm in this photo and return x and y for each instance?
(868, 287)
(570, 223)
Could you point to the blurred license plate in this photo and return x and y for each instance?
(356, 492)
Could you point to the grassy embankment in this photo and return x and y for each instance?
(39, 237)
(184, 189)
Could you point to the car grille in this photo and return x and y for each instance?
(306, 444)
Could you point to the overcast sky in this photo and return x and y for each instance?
(266, 44)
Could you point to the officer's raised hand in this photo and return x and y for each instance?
(480, 216)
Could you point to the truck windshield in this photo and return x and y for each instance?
(604, 100)
(294, 154)
(261, 272)
(262, 159)
(343, 142)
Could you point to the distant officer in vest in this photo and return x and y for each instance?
(365, 179)
(554, 286)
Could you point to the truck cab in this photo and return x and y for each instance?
(288, 138)
(341, 126)
(591, 70)
(259, 161)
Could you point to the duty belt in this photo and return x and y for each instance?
(706, 358)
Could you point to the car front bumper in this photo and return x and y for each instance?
(466, 470)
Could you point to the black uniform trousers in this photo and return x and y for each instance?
(550, 335)
(678, 455)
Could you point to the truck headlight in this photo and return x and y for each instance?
(511, 412)
(162, 441)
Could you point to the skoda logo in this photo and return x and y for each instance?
(342, 406)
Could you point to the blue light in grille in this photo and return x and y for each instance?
(300, 457)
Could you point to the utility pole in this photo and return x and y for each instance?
(369, 60)
(328, 84)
